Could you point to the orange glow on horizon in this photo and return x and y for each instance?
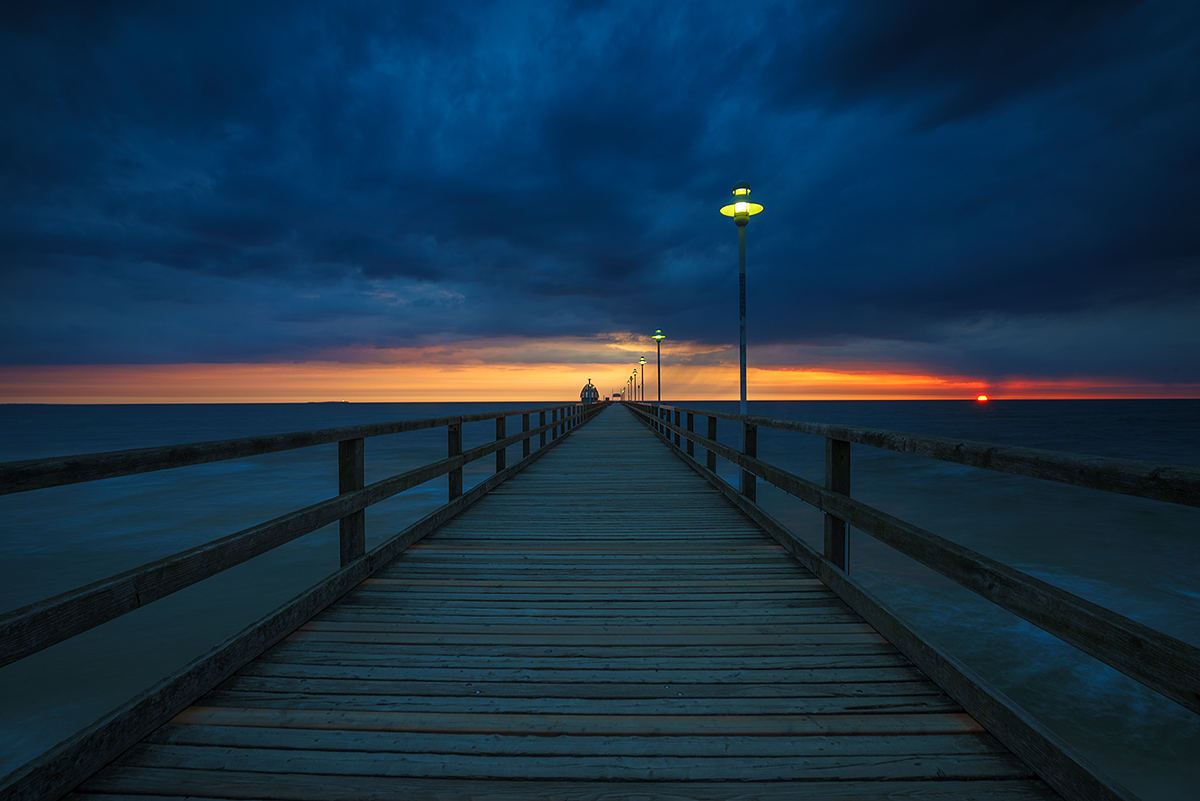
(982, 398)
(429, 382)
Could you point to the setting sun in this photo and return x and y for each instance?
(982, 398)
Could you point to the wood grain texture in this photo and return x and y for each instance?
(602, 626)
(56, 771)
(1163, 663)
(1065, 769)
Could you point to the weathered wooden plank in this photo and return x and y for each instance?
(613, 688)
(798, 603)
(402, 656)
(602, 629)
(693, 675)
(708, 586)
(580, 767)
(451, 604)
(645, 617)
(490, 548)
(551, 725)
(744, 651)
(622, 638)
(164, 783)
(530, 745)
(566, 703)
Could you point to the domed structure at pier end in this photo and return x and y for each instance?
(589, 394)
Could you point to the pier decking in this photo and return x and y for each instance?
(602, 625)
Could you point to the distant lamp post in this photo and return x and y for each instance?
(659, 336)
(635, 384)
(643, 364)
(740, 210)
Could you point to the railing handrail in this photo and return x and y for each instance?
(25, 631)
(1163, 663)
(55, 471)
(39, 625)
(1173, 483)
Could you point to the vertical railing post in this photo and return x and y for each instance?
(749, 448)
(677, 420)
(352, 477)
(691, 427)
(837, 479)
(454, 448)
(554, 422)
(525, 431)
(501, 453)
(711, 462)
(541, 424)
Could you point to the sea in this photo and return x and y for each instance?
(1138, 557)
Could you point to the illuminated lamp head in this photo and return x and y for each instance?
(743, 205)
(658, 334)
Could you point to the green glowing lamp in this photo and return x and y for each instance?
(743, 205)
(658, 334)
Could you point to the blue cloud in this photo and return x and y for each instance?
(925, 165)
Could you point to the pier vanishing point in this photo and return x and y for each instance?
(601, 618)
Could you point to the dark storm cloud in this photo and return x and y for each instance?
(953, 60)
(272, 181)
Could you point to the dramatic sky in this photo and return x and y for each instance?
(420, 200)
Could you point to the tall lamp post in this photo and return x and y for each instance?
(635, 384)
(740, 210)
(642, 362)
(659, 336)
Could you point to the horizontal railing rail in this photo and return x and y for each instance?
(31, 474)
(1173, 483)
(1163, 663)
(27, 630)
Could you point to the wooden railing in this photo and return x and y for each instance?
(1165, 664)
(30, 629)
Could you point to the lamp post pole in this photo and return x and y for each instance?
(659, 336)
(740, 210)
(742, 308)
(635, 385)
(643, 363)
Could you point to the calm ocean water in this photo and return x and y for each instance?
(1140, 558)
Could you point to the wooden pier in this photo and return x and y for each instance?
(603, 618)
(603, 625)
